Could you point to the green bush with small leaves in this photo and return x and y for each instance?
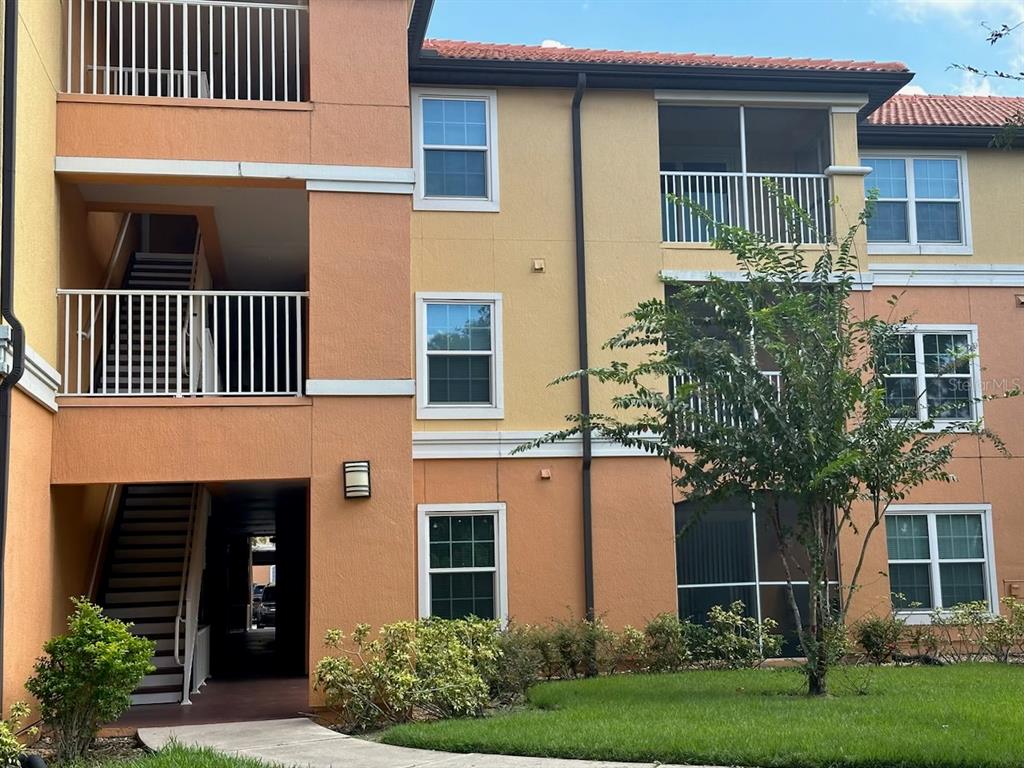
(428, 668)
(880, 637)
(11, 748)
(87, 677)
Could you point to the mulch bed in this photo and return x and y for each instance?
(104, 749)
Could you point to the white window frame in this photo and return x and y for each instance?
(921, 329)
(427, 410)
(913, 247)
(924, 615)
(420, 200)
(498, 510)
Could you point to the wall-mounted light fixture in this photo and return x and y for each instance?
(357, 479)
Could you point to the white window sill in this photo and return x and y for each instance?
(454, 204)
(459, 412)
(921, 249)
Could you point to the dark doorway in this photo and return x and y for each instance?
(257, 529)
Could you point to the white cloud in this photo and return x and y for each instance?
(968, 12)
(975, 85)
(552, 44)
(913, 90)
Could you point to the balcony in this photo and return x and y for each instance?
(158, 343)
(735, 162)
(709, 408)
(204, 49)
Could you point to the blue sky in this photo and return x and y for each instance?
(927, 35)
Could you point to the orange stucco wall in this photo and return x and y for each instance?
(634, 545)
(358, 113)
(170, 441)
(51, 542)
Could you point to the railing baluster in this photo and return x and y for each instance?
(223, 53)
(298, 345)
(263, 344)
(172, 87)
(276, 386)
(92, 342)
(117, 345)
(178, 344)
(106, 46)
(130, 340)
(259, 50)
(167, 344)
(238, 340)
(120, 47)
(104, 348)
(248, 54)
(252, 348)
(156, 343)
(210, 43)
(287, 346)
(284, 54)
(186, 80)
(273, 56)
(298, 60)
(67, 341)
(202, 338)
(134, 81)
(191, 350)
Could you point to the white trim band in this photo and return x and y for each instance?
(500, 445)
(361, 387)
(130, 166)
(375, 187)
(40, 380)
(959, 275)
(862, 281)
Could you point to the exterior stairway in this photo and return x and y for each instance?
(143, 575)
(145, 362)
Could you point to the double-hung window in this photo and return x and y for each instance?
(455, 157)
(462, 558)
(939, 556)
(932, 372)
(459, 361)
(921, 205)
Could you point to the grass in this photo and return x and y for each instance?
(177, 756)
(966, 715)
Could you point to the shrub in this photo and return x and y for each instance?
(731, 640)
(87, 677)
(879, 637)
(10, 747)
(432, 668)
(1004, 635)
(668, 643)
(519, 665)
(961, 631)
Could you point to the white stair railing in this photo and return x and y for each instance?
(748, 200)
(187, 618)
(207, 49)
(132, 343)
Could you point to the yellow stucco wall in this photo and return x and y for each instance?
(995, 185)
(454, 251)
(36, 203)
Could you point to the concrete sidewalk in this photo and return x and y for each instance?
(300, 742)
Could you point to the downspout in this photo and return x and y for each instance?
(584, 356)
(7, 287)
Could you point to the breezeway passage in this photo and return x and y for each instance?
(300, 742)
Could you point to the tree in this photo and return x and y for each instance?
(821, 435)
(1011, 129)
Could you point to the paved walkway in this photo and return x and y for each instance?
(300, 742)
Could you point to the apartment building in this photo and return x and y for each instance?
(287, 269)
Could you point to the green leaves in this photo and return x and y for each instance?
(87, 677)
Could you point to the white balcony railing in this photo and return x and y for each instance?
(206, 49)
(132, 343)
(748, 200)
(719, 410)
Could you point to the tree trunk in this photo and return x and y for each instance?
(816, 680)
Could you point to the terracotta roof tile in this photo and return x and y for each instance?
(947, 110)
(455, 49)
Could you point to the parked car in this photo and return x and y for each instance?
(265, 612)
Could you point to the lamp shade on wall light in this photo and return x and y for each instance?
(357, 479)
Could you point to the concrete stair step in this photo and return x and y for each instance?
(140, 597)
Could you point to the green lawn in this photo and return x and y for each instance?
(176, 756)
(967, 715)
